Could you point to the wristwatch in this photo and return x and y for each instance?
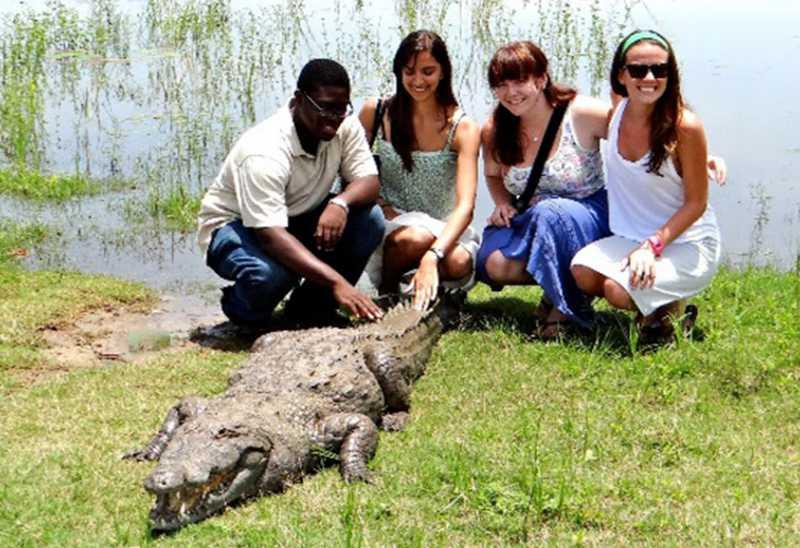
(438, 253)
(341, 203)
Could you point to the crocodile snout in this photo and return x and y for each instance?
(164, 480)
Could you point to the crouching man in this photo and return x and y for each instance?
(268, 220)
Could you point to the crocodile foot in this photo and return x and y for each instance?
(395, 422)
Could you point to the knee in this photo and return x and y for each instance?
(497, 267)
(458, 264)
(585, 278)
(254, 281)
(408, 241)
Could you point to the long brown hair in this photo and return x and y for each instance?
(519, 61)
(667, 110)
(400, 106)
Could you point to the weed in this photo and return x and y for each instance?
(34, 185)
(178, 208)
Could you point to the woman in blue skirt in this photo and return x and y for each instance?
(569, 208)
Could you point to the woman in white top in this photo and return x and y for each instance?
(665, 245)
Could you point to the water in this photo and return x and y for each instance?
(156, 94)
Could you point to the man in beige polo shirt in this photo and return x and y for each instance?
(269, 220)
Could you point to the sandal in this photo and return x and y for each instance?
(689, 319)
(551, 330)
(662, 331)
(543, 309)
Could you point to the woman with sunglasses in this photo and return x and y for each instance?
(665, 245)
(427, 151)
(569, 207)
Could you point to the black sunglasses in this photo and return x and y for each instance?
(659, 70)
(337, 114)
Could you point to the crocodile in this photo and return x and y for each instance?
(301, 399)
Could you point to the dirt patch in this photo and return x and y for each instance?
(123, 335)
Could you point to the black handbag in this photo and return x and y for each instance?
(521, 202)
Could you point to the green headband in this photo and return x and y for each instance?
(643, 35)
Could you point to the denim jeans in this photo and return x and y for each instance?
(260, 281)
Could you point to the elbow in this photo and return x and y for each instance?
(373, 189)
(268, 238)
(695, 209)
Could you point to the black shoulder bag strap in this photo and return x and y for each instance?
(521, 202)
(376, 124)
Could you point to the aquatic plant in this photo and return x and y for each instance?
(159, 99)
(35, 185)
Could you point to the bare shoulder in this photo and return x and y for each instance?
(487, 131)
(587, 105)
(468, 129)
(691, 134)
(367, 112)
(467, 137)
(690, 123)
(590, 110)
(590, 117)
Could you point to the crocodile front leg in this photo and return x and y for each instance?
(356, 438)
(390, 374)
(186, 409)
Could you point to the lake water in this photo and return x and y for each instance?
(155, 94)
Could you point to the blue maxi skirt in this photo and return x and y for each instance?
(545, 237)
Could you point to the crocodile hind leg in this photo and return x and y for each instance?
(186, 409)
(356, 438)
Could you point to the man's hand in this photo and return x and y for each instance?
(355, 301)
(330, 227)
(502, 214)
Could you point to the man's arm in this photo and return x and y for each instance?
(362, 188)
(278, 243)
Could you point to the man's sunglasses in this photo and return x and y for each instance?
(640, 71)
(338, 114)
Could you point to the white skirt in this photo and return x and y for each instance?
(683, 270)
(469, 240)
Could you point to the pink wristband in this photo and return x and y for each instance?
(656, 245)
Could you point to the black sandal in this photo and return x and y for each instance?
(543, 309)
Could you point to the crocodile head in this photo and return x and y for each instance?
(201, 471)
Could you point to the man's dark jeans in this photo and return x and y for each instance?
(260, 282)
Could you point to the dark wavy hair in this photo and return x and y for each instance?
(401, 104)
(519, 61)
(667, 111)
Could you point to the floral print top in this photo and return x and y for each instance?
(573, 172)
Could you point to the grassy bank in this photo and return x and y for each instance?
(589, 441)
(35, 301)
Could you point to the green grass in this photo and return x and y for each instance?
(34, 185)
(511, 441)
